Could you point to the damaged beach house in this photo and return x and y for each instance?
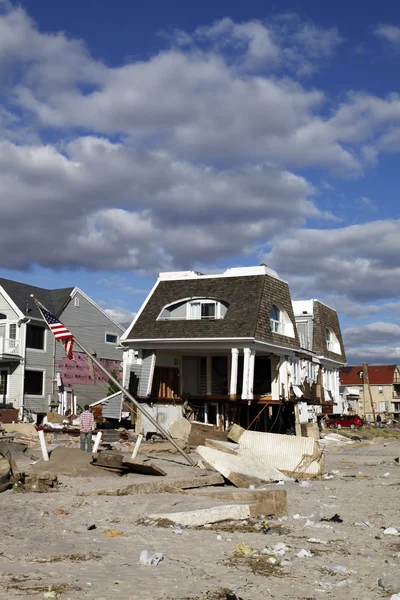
(233, 348)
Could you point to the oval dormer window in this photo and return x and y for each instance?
(194, 309)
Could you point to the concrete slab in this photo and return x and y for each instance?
(171, 485)
(205, 516)
(273, 502)
(235, 433)
(226, 464)
(228, 447)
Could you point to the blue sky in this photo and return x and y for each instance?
(168, 136)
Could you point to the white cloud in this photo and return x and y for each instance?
(360, 261)
(390, 33)
(121, 315)
(107, 205)
(379, 333)
(374, 355)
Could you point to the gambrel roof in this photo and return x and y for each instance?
(249, 299)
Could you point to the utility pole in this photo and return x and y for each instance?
(366, 383)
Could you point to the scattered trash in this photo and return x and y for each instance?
(243, 549)
(386, 474)
(340, 569)
(326, 476)
(395, 597)
(150, 559)
(317, 525)
(305, 484)
(178, 528)
(316, 541)
(277, 550)
(392, 531)
(112, 533)
(91, 527)
(304, 553)
(61, 511)
(335, 519)
(297, 516)
(219, 537)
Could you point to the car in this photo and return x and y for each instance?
(351, 421)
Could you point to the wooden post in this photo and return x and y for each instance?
(366, 382)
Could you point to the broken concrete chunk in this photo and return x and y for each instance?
(180, 429)
(269, 502)
(203, 516)
(199, 432)
(235, 433)
(228, 464)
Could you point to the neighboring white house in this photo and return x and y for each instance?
(232, 347)
(35, 373)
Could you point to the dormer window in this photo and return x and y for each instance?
(280, 322)
(332, 343)
(194, 309)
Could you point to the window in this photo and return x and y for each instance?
(34, 383)
(332, 343)
(3, 385)
(111, 338)
(12, 332)
(203, 309)
(35, 336)
(380, 389)
(76, 301)
(194, 308)
(275, 319)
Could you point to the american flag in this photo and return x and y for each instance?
(61, 333)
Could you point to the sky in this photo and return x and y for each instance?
(159, 136)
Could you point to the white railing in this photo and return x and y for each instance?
(10, 347)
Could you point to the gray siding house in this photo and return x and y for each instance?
(35, 373)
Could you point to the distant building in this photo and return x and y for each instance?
(35, 374)
(385, 390)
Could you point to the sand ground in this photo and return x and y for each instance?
(41, 546)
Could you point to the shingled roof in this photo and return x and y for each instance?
(326, 318)
(249, 300)
(377, 374)
(20, 293)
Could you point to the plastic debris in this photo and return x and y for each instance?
(335, 519)
(297, 516)
(91, 527)
(340, 569)
(386, 474)
(278, 550)
(178, 528)
(244, 549)
(150, 559)
(316, 541)
(392, 531)
(304, 553)
(395, 597)
(305, 484)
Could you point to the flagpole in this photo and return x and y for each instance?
(131, 398)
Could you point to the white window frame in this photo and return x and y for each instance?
(43, 394)
(8, 383)
(200, 302)
(106, 333)
(76, 301)
(277, 326)
(40, 350)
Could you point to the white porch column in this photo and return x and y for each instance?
(252, 360)
(234, 371)
(209, 375)
(246, 363)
